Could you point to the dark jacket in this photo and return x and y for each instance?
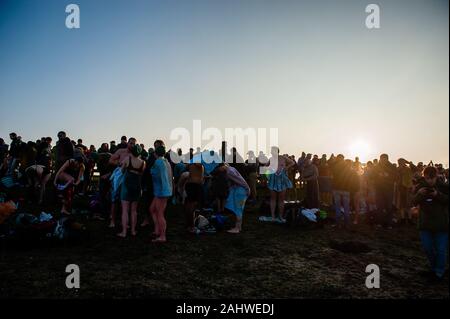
(385, 176)
(433, 211)
(344, 178)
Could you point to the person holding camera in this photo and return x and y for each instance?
(431, 197)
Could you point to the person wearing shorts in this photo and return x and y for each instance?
(193, 181)
(219, 187)
(117, 176)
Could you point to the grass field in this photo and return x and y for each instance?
(264, 261)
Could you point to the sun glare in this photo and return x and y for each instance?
(361, 149)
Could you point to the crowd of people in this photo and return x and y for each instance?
(385, 193)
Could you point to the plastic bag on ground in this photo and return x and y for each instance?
(310, 214)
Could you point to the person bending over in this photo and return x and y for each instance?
(67, 177)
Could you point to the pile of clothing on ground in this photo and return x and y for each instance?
(206, 222)
(20, 226)
(297, 215)
(312, 217)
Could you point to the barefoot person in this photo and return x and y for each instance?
(162, 190)
(132, 169)
(278, 182)
(147, 182)
(237, 195)
(310, 175)
(117, 176)
(67, 177)
(219, 188)
(192, 183)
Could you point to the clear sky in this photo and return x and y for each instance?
(309, 68)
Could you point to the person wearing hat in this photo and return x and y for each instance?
(132, 168)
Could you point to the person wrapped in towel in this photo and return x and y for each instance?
(238, 192)
(117, 176)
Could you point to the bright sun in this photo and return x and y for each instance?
(361, 149)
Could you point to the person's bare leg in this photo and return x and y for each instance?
(147, 216)
(189, 212)
(273, 203)
(146, 220)
(65, 209)
(133, 217)
(44, 182)
(162, 225)
(153, 213)
(125, 210)
(67, 201)
(238, 226)
(112, 224)
(162, 219)
(68, 180)
(281, 196)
